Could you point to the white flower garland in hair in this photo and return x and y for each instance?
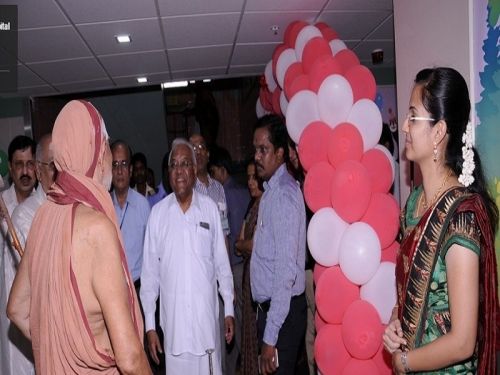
(468, 166)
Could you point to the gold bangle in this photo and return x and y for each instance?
(404, 361)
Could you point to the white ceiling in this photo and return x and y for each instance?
(68, 46)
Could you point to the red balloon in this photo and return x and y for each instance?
(334, 294)
(390, 252)
(293, 71)
(323, 67)
(327, 31)
(329, 351)
(300, 83)
(276, 101)
(314, 49)
(344, 143)
(356, 367)
(362, 82)
(313, 144)
(318, 322)
(321, 25)
(276, 53)
(383, 360)
(317, 185)
(379, 168)
(318, 271)
(292, 31)
(362, 330)
(266, 99)
(347, 59)
(351, 190)
(383, 216)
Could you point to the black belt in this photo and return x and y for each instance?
(266, 305)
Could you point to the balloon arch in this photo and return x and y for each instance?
(328, 100)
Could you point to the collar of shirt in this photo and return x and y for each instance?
(275, 177)
(115, 200)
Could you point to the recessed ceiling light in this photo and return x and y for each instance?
(169, 85)
(207, 80)
(142, 80)
(125, 38)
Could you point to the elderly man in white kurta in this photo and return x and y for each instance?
(184, 259)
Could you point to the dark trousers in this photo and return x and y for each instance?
(291, 333)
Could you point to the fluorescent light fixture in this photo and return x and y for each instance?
(192, 82)
(207, 80)
(169, 85)
(142, 80)
(125, 38)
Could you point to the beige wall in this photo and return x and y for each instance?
(428, 33)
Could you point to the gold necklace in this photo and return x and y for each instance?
(438, 192)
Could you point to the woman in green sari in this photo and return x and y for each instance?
(445, 319)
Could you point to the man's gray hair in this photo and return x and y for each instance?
(178, 142)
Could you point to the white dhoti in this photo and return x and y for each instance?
(191, 364)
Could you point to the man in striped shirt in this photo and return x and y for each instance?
(277, 265)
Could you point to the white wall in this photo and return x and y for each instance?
(428, 33)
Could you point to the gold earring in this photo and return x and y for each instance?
(435, 152)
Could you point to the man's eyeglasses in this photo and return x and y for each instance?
(49, 164)
(184, 164)
(200, 147)
(120, 164)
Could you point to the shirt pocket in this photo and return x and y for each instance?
(203, 242)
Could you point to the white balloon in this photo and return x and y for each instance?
(301, 111)
(380, 290)
(304, 36)
(268, 73)
(259, 109)
(323, 236)
(286, 58)
(390, 157)
(366, 116)
(335, 100)
(336, 45)
(360, 253)
(283, 102)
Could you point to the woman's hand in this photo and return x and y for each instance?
(393, 336)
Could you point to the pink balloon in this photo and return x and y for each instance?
(318, 322)
(283, 102)
(292, 31)
(334, 100)
(266, 99)
(379, 168)
(380, 290)
(337, 45)
(301, 111)
(351, 190)
(362, 82)
(276, 54)
(300, 83)
(361, 330)
(259, 110)
(357, 366)
(334, 294)
(305, 35)
(359, 255)
(366, 116)
(329, 351)
(317, 186)
(285, 59)
(383, 360)
(313, 144)
(389, 253)
(295, 70)
(314, 49)
(268, 74)
(318, 271)
(323, 67)
(383, 216)
(276, 101)
(344, 143)
(346, 59)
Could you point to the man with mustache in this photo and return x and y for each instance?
(21, 153)
(277, 266)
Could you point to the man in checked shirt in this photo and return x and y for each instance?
(278, 260)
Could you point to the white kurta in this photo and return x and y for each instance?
(14, 347)
(23, 214)
(184, 258)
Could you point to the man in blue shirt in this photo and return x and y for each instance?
(163, 188)
(132, 210)
(277, 267)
